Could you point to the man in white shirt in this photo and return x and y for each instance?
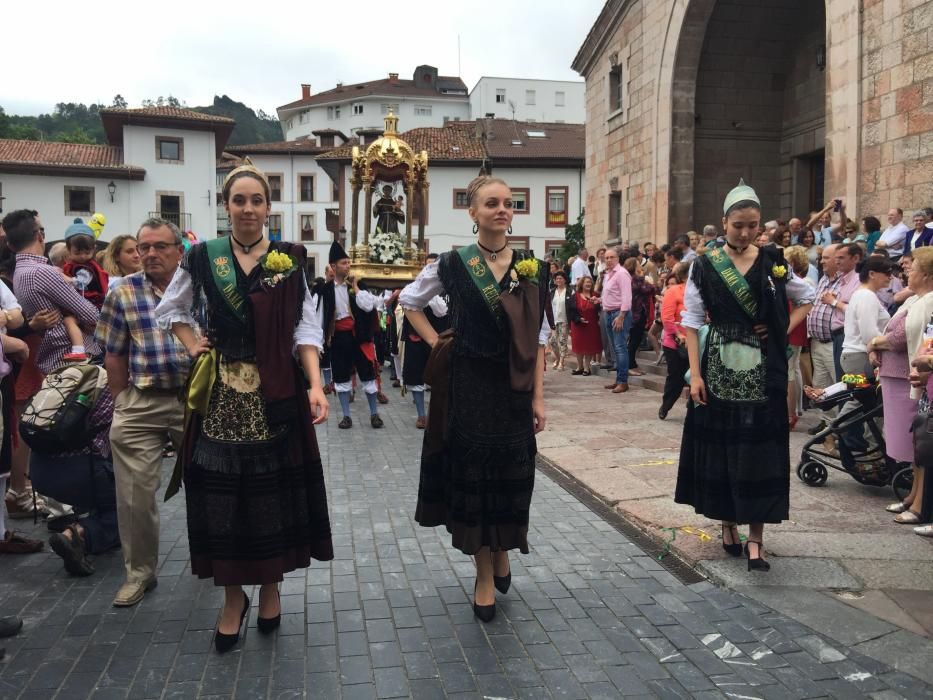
(349, 326)
(893, 237)
(580, 267)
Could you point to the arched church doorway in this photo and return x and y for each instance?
(749, 100)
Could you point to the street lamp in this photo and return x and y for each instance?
(111, 188)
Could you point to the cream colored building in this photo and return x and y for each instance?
(805, 99)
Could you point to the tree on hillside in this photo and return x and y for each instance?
(119, 102)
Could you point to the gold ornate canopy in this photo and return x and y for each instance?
(387, 159)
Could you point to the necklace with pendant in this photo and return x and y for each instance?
(493, 254)
(246, 246)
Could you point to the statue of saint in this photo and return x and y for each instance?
(388, 212)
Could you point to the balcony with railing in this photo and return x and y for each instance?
(181, 219)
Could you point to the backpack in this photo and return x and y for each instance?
(57, 418)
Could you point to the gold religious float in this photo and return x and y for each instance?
(386, 256)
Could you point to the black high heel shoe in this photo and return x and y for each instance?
(502, 583)
(270, 624)
(483, 612)
(225, 642)
(734, 549)
(756, 563)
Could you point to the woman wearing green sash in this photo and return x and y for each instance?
(254, 483)
(735, 453)
(487, 391)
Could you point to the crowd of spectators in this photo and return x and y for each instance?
(873, 316)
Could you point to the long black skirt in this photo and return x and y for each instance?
(416, 359)
(480, 486)
(257, 508)
(735, 461)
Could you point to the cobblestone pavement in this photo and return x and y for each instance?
(589, 616)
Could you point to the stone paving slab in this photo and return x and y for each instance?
(590, 615)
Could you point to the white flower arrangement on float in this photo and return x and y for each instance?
(386, 248)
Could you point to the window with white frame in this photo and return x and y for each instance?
(330, 114)
(306, 225)
(529, 97)
(500, 97)
(423, 110)
(389, 107)
(559, 98)
(556, 206)
(520, 200)
(274, 225)
(357, 108)
(170, 149)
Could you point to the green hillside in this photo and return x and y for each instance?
(79, 123)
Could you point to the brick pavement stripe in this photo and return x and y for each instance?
(589, 615)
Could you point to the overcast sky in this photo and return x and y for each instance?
(260, 52)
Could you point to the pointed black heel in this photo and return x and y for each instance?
(484, 612)
(734, 549)
(756, 563)
(267, 625)
(503, 583)
(225, 642)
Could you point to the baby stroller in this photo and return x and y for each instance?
(869, 465)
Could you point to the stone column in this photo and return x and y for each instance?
(355, 216)
(367, 226)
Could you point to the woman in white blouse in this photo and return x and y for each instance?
(559, 336)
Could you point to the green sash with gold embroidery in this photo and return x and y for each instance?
(220, 257)
(483, 278)
(735, 282)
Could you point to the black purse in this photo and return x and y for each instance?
(922, 429)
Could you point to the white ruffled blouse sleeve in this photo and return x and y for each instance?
(545, 332)
(176, 303)
(438, 306)
(694, 313)
(419, 293)
(310, 329)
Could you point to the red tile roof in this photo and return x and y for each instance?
(562, 144)
(169, 113)
(297, 146)
(386, 86)
(114, 119)
(42, 157)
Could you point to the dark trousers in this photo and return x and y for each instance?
(837, 353)
(85, 482)
(635, 336)
(677, 366)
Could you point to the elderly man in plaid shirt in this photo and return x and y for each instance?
(147, 369)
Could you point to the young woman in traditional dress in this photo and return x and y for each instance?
(254, 483)
(735, 453)
(487, 384)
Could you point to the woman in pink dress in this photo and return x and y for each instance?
(893, 352)
(583, 314)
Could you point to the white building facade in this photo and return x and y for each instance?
(428, 99)
(304, 200)
(158, 162)
(545, 171)
(559, 101)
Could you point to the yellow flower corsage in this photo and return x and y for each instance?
(527, 268)
(276, 266)
(779, 271)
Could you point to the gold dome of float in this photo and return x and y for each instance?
(389, 149)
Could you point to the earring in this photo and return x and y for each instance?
(509, 232)
(475, 228)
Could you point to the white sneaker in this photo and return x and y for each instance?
(924, 530)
